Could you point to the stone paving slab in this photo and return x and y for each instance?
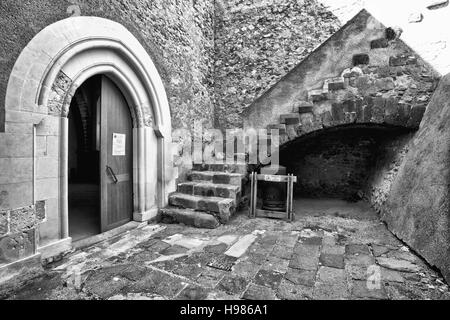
(315, 257)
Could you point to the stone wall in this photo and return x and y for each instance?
(337, 163)
(257, 43)
(417, 207)
(178, 35)
(390, 156)
(363, 64)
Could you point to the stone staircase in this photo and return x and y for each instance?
(211, 195)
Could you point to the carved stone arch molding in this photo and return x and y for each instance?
(63, 56)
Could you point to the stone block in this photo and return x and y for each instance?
(303, 107)
(22, 219)
(289, 291)
(316, 95)
(392, 115)
(437, 4)
(402, 60)
(378, 110)
(327, 119)
(4, 222)
(40, 211)
(256, 292)
(52, 146)
(301, 277)
(47, 167)
(224, 208)
(352, 249)
(17, 246)
(385, 84)
(47, 188)
(305, 257)
(359, 59)
(268, 278)
(49, 126)
(361, 289)
(331, 275)
(337, 83)
(379, 43)
(416, 116)
(15, 195)
(290, 118)
(337, 112)
(15, 170)
(16, 145)
(332, 260)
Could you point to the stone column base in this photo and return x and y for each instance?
(146, 216)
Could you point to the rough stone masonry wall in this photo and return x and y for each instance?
(417, 208)
(257, 43)
(363, 64)
(178, 35)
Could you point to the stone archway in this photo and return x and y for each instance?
(44, 80)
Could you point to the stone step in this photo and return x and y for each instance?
(290, 118)
(189, 217)
(230, 168)
(303, 107)
(221, 207)
(280, 127)
(217, 177)
(208, 189)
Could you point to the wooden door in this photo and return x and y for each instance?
(116, 158)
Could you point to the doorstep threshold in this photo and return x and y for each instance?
(89, 241)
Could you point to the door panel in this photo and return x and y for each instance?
(116, 162)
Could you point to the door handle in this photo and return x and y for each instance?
(113, 175)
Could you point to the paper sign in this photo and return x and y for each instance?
(118, 144)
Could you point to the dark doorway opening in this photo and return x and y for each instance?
(84, 161)
(345, 171)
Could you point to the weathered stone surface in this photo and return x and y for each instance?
(218, 248)
(360, 290)
(268, 278)
(222, 206)
(289, 291)
(232, 284)
(379, 43)
(17, 246)
(314, 241)
(352, 249)
(301, 277)
(193, 293)
(399, 265)
(379, 250)
(417, 213)
(332, 260)
(305, 257)
(256, 292)
(189, 217)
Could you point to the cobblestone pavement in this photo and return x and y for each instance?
(334, 250)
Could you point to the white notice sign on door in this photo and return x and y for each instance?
(118, 144)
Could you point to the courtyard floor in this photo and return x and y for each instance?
(333, 250)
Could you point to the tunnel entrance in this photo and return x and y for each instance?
(349, 163)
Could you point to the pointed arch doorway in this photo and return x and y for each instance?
(100, 165)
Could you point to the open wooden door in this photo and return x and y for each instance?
(116, 158)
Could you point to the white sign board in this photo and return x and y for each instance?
(118, 144)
